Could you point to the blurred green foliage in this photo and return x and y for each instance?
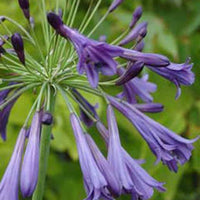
(174, 29)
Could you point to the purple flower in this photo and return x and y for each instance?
(139, 46)
(91, 109)
(104, 167)
(137, 87)
(95, 56)
(18, 45)
(95, 183)
(166, 145)
(47, 118)
(24, 5)
(139, 31)
(136, 16)
(114, 5)
(10, 181)
(30, 165)
(142, 184)
(115, 156)
(179, 74)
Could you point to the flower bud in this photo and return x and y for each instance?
(18, 46)
(47, 118)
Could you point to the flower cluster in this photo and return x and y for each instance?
(68, 62)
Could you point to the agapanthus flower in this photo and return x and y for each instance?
(44, 64)
(9, 183)
(168, 147)
(30, 164)
(142, 183)
(179, 74)
(95, 182)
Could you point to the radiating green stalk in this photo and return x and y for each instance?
(44, 151)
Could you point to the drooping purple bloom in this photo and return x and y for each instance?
(137, 87)
(95, 56)
(104, 167)
(139, 46)
(114, 5)
(141, 183)
(95, 183)
(115, 156)
(136, 16)
(90, 108)
(179, 74)
(10, 182)
(18, 46)
(30, 165)
(139, 30)
(24, 5)
(168, 147)
(131, 71)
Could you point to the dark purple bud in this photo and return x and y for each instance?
(24, 5)
(137, 31)
(136, 16)
(18, 46)
(114, 5)
(55, 21)
(149, 107)
(47, 118)
(132, 71)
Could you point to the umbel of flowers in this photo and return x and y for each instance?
(70, 63)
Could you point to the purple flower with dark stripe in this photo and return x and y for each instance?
(137, 87)
(30, 165)
(179, 74)
(168, 147)
(10, 182)
(18, 46)
(95, 182)
(136, 16)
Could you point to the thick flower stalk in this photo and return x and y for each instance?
(64, 60)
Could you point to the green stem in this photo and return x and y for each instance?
(44, 153)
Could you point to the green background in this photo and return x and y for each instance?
(174, 30)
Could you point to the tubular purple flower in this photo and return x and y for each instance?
(90, 108)
(30, 165)
(136, 16)
(132, 71)
(114, 5)
(135, 33)
(179, 74)
(24, 5)
(104, 167)
(18, 45)
(139, 46)
(10, 181)
(95, 183)
(143, 182)
(137, 87)
(168, 147)
(115, 156)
